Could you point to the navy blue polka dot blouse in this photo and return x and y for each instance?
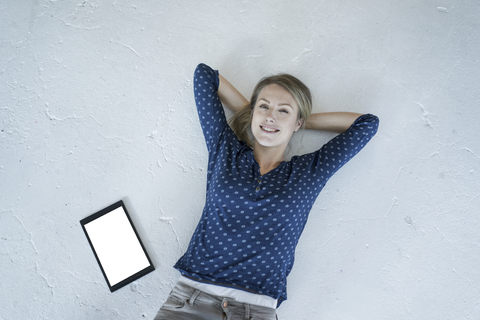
(251, 223)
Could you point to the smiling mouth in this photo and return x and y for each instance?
(270, 130)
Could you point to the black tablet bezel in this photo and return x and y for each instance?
(133, 277)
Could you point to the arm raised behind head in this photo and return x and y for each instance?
(338, 122)
(230, 96)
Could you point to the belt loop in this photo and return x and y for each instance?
(247, 311)
(193, 297)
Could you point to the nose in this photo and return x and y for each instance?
(270, 116)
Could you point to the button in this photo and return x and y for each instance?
(259, 180)
(225, 304)
(258, 189)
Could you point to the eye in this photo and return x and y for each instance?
(284, 111)
(263, 106)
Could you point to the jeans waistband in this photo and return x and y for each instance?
(237, 294)
(192, 294)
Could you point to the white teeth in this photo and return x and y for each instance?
(268, 129)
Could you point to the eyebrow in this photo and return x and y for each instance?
(281, 104)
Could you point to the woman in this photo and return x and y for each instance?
(257, 204)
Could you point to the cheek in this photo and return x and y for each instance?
(256, 115)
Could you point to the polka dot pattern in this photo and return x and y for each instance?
(251, 223)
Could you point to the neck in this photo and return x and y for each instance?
(268, 158)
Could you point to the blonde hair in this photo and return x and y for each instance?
(241, 121)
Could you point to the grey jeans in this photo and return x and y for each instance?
(187, 303)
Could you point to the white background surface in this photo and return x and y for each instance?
(96, 105)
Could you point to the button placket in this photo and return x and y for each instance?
(257, 183)
(258, 188)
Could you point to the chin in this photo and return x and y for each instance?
(271, 144)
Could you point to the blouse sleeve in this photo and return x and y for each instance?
(338, 151)
(209, 108)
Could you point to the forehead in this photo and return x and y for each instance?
(276, 94)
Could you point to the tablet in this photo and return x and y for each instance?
(116, 246)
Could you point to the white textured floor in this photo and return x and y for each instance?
(96, 105)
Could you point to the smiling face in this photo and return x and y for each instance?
(275, 117)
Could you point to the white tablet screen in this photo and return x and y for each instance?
(116, 245)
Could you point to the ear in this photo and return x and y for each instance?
(299, 124)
